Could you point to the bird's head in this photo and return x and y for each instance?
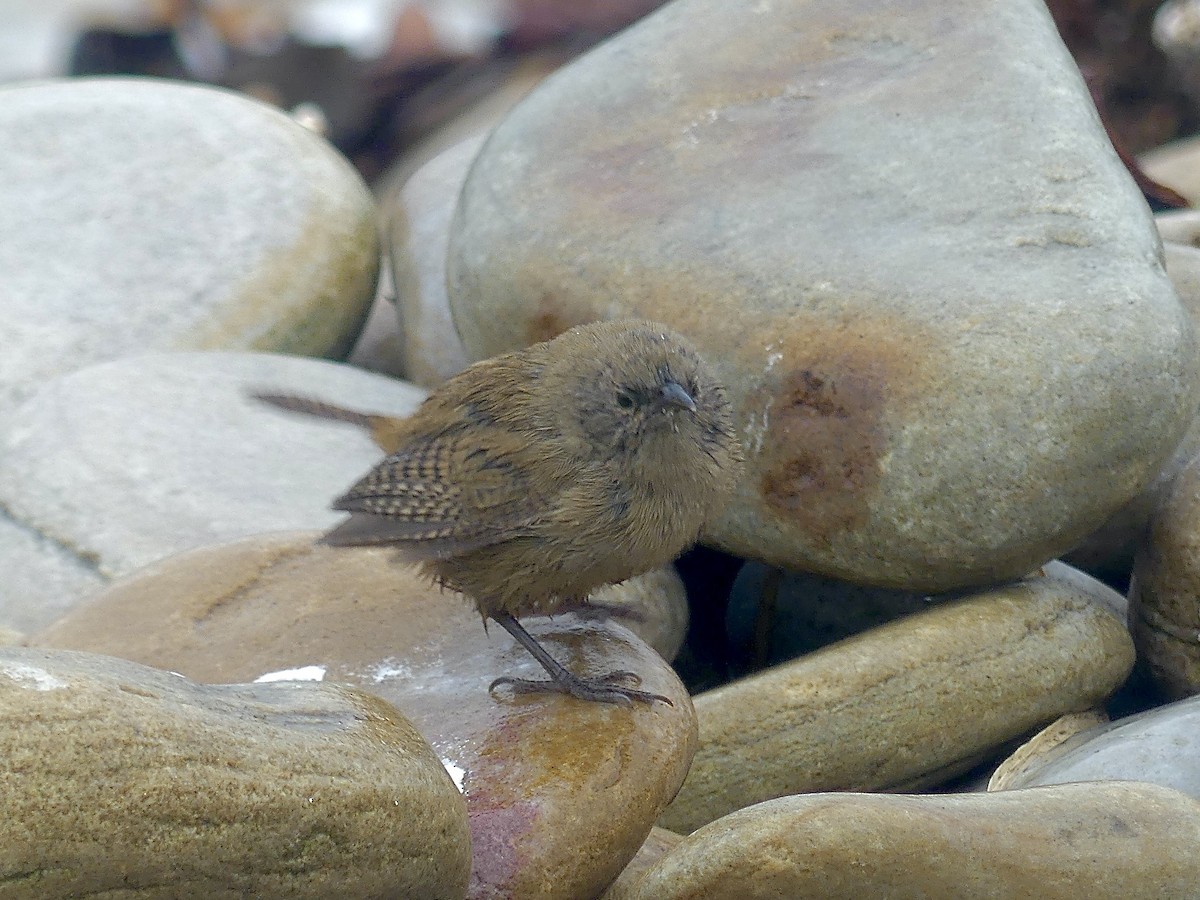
(640, 396)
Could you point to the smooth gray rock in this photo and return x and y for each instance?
(1110, 549)
(125, 462)
(43, 579)
(418, 236)
(151, 215)
(1161, 746)
(904, 240)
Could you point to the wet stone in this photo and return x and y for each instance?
(131, 782)
(561, 793)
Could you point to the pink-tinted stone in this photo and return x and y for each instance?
(561, 793)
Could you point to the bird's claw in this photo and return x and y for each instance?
(604, 689)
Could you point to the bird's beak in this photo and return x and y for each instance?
(674, 395)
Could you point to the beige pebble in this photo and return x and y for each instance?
(658, 844)
(1042, 746)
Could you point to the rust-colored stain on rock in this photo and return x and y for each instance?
(825, 419)
(828, 425)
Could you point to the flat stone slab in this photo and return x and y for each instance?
(903, 239)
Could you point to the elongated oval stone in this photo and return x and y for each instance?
(122, 780)
(1106, 841)
(902, 237)
(907, 703)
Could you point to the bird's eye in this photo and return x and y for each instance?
(624, 400)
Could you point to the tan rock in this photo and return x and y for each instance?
(789, 185)
(132, 782)
(653, 606)
(893, 705)
(658, 844)
(1174, 164)
(1164, 612)
(1043, 746)
(1160, 746)
(561, 793)
(1105, 841)
(1179, 226)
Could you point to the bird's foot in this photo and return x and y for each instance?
(605, 689)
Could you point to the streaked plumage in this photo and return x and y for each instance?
(530, 479)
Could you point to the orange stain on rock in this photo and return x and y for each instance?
(826, 412)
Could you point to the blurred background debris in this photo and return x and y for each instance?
(380, 76)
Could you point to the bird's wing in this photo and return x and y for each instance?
(441, 495)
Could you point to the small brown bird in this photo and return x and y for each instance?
(530, 479)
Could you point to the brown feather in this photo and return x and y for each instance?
(530, 479)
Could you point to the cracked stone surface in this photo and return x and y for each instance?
(902, 237)
(122, 463)
(149, 215)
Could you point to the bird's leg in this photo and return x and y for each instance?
(605, 689)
